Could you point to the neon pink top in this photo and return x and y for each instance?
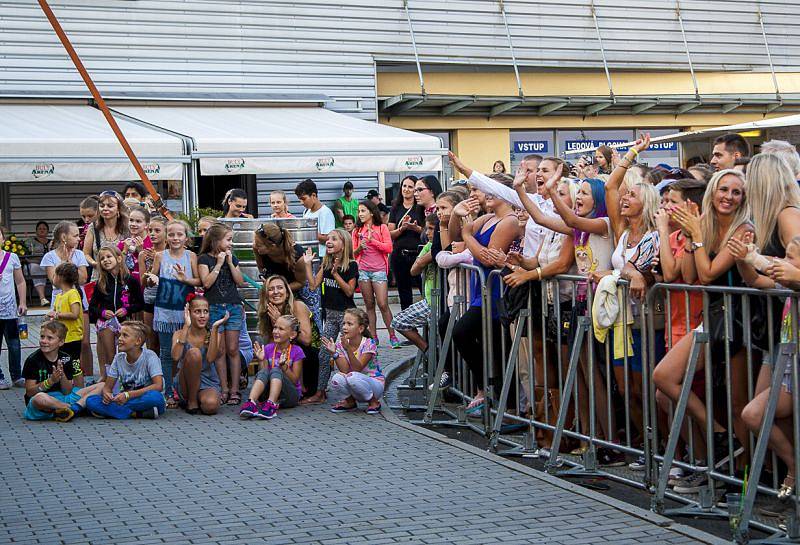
(132, 256)
(375, 258)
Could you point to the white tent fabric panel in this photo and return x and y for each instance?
(75, 143)
(252, 140)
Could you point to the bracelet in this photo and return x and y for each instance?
(539, 272)
(636, 153)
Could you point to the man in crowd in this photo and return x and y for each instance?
(345, 205)
(729, 151)
(306, 191)
(375, 197)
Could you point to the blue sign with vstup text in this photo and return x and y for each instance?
(532, 146)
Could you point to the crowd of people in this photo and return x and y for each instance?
(171, 327)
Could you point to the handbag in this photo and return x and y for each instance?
(513, 300)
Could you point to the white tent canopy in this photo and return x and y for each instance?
(285, 140)
(761, 124)
(75, 143)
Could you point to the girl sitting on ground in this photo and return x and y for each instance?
(280, 369)
(359, 376)
(196, 350)
(116, 296)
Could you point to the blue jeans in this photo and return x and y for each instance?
(122, 412)
(8, 329)
(165, 353)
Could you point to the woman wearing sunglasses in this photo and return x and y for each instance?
(110, 227)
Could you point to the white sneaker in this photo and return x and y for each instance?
(675, 475)
(4, 384)
(19, 383)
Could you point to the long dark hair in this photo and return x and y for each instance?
(398, 200)
(376, 215)
(231, 195)
(214, 234)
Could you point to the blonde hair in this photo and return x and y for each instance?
(183, 224)
(140, 328)
(572, 188)
(264, 321)
(709, 222)
(103, 275)
(347, 251)
(784, 150)
(650, 201)
(771, 187)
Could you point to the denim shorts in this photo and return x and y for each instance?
(32, 413)
(377, 276)
(234, 323)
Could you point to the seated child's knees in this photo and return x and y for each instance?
(209, 407)
(40, 400)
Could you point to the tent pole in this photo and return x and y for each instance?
(73, 55)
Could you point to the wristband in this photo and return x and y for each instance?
(539, 272)
(636, 153)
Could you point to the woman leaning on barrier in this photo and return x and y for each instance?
(556, 256)
(631, 210)
(724, 217)
(488, 238)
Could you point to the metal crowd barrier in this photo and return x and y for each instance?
(583, 362)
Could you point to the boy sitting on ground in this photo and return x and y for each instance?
(141, 379)
(50, 373)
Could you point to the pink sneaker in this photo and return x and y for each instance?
(268, 410)
(248, 410)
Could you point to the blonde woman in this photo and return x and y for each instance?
(725, 216)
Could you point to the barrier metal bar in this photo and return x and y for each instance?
(508, 374)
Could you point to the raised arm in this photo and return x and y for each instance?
(615, 181)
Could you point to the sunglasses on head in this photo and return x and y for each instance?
(110, 193)
(260, 232)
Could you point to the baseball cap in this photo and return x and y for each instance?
(372, 193)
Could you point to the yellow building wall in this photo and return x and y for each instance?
(481, 148)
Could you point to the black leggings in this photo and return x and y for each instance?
(401, 268)
(468, 341)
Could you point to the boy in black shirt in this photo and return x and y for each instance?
(49, 389)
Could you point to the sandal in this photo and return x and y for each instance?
(223, 398)
(313, 400)
(785, 492)
(172, 404)
(235, 399)
(343, 407)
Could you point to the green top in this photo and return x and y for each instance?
(428, 274)
(349, 208)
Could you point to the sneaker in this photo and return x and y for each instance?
(77, 409)
(637, 465)
(394, 341)
(150, 414)
(44, 302)
(693, 484)
(19, 383)
(248, 410)
(4, 384)
(676, 475)
(444, 383)
(476, 411)
(268, 410)
(63, 415)
(374, 410)
(607, 457)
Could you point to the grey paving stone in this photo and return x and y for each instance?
(308, 476)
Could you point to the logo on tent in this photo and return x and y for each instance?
(152, 168)
(324, 163)
(42, 170)
(232, 165)
(413, 161)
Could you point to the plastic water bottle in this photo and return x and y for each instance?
(22, 327)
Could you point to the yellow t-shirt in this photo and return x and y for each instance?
(63, 304)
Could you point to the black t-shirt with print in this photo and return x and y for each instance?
(224, 290)
(333, 297)
(37, 367)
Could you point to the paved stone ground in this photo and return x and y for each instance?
(308, 476)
